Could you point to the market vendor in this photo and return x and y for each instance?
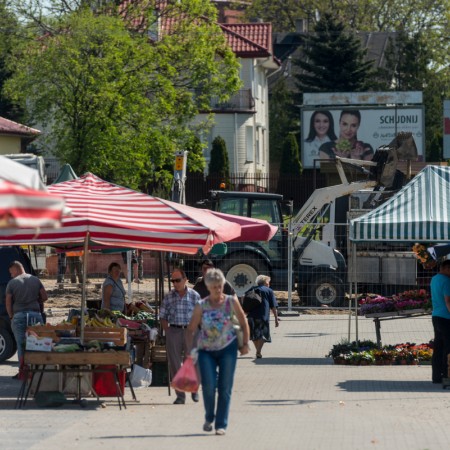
(440, 297)
(24, 294)
(113, 292)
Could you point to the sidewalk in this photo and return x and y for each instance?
(292, 398)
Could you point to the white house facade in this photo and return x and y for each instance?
(243, 121)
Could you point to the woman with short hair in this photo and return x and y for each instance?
(217, 348)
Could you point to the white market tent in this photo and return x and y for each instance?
(419, 212)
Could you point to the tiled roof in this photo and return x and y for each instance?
(251, 40)
(10, 127)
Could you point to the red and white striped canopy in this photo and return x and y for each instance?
(28, 208)
(120, 217)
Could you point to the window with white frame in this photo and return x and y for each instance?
(249, 144)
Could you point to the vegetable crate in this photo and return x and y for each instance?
(55, 332)
(116, 335)
(158, 353)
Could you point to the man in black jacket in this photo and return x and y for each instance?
(200, 285)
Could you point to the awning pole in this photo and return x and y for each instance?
(355, 281)
(83, 285)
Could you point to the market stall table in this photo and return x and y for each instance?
(78, 363)
(378, 317)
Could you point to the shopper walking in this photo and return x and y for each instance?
(24, 293)
(175, 313)
(440, 298)
(259, 317)
(217, 348)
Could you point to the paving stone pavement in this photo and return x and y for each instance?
(292, 398)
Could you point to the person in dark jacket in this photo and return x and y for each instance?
(258, 318)
(200, 285)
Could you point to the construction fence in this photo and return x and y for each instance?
(324, 273)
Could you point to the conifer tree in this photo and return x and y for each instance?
(290, 161)
(219, 164)
(333, 60)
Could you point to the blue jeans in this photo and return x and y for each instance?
(217, 372)
(19, 324)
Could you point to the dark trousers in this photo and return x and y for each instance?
(441, 348)
(75, 268)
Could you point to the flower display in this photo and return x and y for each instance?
(405, 301)
(367, 353)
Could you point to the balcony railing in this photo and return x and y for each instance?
(241, 101)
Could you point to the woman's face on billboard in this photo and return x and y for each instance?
(348, 126)
(321, 125)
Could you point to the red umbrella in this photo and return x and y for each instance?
(251, 229)
(28, 208)
(115, 216)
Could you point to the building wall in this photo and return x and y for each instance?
(246, 134)
(9, 144)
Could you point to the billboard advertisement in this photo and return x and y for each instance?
(356, 132)
(447, 129)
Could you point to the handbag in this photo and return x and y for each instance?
(237, 327)
(186, 379)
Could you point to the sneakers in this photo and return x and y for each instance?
(220, 431)
(207, 426)
(179, 401)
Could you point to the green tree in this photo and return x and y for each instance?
(195, 161)
(333, 60)
(113, 102)
(219, 164)
(290, 161)
(284, 117)
(9, 29)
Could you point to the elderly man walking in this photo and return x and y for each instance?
(24, 296)
(175, 314)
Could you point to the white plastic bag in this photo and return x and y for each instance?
(140, 377)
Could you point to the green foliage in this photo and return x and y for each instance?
(219, 164)
(290, 161)
(284, 118)
(9, 27)
(333, 60)
(114, 103)
(195, 161)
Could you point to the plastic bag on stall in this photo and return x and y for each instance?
(140, 377)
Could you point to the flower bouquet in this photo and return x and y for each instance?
(423, 256)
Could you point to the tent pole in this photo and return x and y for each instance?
(83, 285)
(356, 290)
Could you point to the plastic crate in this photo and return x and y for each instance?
(104, 384)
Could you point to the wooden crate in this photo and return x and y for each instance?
(116, 335)
(158, 354)
(50, 330)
